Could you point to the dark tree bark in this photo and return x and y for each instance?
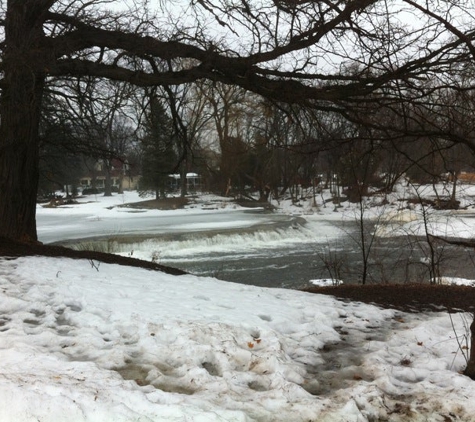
(20, 110)
(108, 179)
(73, 39)
(470, 369)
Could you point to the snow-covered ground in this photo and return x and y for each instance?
(83, 341)
(111, 343)
(97, 215)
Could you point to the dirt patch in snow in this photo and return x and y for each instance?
(12, 248)
(406, 297)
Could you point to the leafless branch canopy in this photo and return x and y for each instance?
(321, 54)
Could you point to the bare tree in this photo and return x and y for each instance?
(276, 50)
(102, 124)
(470, 369)
(187, 107)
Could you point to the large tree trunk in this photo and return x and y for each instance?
(108, 179)
(470, 369)
(183, 180)
(20, 108)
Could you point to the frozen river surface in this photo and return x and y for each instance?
(245, 246)
(63, 227)
(242, 245)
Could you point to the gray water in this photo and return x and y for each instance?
(397, 260)
(289, 254)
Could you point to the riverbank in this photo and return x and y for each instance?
(405, 297)
(298, 242)
(88, 340)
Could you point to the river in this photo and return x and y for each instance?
(259, 247)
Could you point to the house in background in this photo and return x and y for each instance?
(123, 176)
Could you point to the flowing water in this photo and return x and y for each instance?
(290, 252)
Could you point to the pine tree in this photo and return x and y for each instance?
(159, 155)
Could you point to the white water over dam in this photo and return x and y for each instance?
(245, 246)
(267, 256)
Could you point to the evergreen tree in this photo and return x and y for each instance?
(158, 145)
